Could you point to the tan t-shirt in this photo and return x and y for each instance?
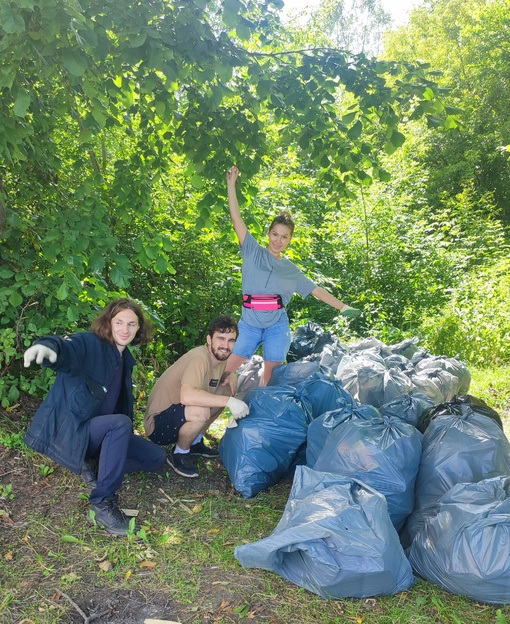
(193, 368)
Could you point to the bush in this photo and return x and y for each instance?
(475, 324)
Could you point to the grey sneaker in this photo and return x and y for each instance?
(182, 464)
(110, 517)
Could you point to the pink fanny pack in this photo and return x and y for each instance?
(263, 302)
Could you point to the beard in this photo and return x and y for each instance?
(221, 356)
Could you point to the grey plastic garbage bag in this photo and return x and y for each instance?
(383, 452)
(460, 406)
(463, 448)
(374, 344)
(398, 361)
(465, 547)
(454, 366)
(374, 385)
(330, 356)
(408, 408)
(249, 376)
(260, 450)
(438, 385)
(307, 339)
(335, 539)
(407, 347)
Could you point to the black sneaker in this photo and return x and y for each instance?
(181, 464)
(89, 473)
(110, 517)
(204, 451)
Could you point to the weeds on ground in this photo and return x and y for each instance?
(180, 556)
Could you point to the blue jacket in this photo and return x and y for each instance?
(85, 368)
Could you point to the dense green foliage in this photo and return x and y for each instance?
(118, 122)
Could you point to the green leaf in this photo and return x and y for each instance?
(62, 292)
(98, 114)
(22, 103)
(96, 260)
(120, 277)
(397, 138)
(355, 131)
(224, 72)
(350, 117)
(197, 182)
(7, 76)
(12, 23)
(5, 273)
(74, 62)
(15, 299)
(73, 314)
(70, 539)
(138, 40)
(161, 265)
(428, 94)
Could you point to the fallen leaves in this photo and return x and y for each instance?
(105, 565)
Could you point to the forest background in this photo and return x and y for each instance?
(389, 147)
(118, 122)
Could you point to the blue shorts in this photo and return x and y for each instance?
(167, 425)
(275, 340)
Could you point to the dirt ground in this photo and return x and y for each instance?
(50, 501)
(54, 497)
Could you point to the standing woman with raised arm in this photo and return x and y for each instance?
(269, 281)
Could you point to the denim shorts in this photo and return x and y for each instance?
(275, 340)
(167, 424)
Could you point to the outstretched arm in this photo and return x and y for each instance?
(235, 213)
(328, 298)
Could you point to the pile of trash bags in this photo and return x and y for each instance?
(398, 471)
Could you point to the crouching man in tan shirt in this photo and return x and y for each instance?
(191, 394)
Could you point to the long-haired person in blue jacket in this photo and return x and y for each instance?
(86, 421)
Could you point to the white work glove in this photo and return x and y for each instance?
(238, 408)
(350, 312)
(39, 353)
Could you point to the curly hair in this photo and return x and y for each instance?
(284, 218)
(102, 324)
(224, 324)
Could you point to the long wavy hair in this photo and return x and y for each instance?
(102, 324)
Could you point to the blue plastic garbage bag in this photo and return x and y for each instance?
(408, 407)
(383, 452)
(325, 394)
(261, 449)
(465, 448)
(465, 547)
(335, 539)
(321, 427)
(293, 373)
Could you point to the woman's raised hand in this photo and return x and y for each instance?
(232, 174)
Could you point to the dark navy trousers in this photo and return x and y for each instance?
(119, 451)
